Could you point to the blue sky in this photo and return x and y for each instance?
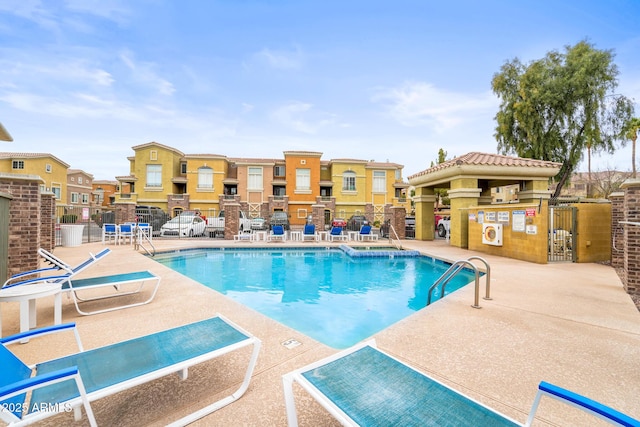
(85, 80)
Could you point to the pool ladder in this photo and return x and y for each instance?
(138, 241)
(455, 268)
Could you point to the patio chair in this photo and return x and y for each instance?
(74, 381)
(72, 286)
(277, 233)
(365, 386)
(366, 233)
(336, 234)
(309, 232)
(109, 233)
(125, 232)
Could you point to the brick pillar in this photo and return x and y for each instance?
(617, 229)
(398, 215)
(24, 221)
(231, 220)
(317, 212)
(125, 212)
(632, 236)
(47, 221)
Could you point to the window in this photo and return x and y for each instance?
(79, 180)
(205, 178)
(154, 175)
(47, 168)
(153, 155)
(398, 174)
(85, 199)
(279, 191)
(279, 171)
(17, 164)
(255, 179)
(183, 168)
(303, 179)
(57, 192)
(349, 181)
(379, 181)
(74, 197)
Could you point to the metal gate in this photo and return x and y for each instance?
(562, 233)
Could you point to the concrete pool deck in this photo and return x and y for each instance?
(569, 324)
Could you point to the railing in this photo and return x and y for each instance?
(393, 230)
(455, 268)
(139, 236)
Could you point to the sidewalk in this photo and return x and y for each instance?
(568, 324)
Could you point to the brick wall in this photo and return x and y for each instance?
(47, 221)
(617, 230)
(24, 221)
(632, 237)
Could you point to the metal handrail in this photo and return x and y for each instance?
(455, 268)
(399, 245)
(138, 235)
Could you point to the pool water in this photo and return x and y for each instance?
(323, 293)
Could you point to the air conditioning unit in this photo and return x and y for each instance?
(492, 234)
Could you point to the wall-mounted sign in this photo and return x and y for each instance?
(480, 217)
(490, 216)
(85, 213)
(531, 212)
(472, 216)
(532, 229)
(503, 217)
(518, 221)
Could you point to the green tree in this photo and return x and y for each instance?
(556, 107)
(631, 129)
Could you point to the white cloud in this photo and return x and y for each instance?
(143, 73)
(301, 117)
(281, 60)
(422, 104)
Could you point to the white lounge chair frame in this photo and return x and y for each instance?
(73, 286)
(75, 373)
(545, 389)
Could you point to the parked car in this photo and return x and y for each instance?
(444, 226)
(339, 222)
(279, 218)
(355, 222)
(153, 216)
(187, 224)
(258, 223)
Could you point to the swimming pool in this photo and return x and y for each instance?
(326, 294)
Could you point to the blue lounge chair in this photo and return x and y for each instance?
(365, 386)
(366, 233)
(309, 232)
(336, 234)
(73, 381)
(116, 283)
(277, 233)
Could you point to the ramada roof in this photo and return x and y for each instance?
(486, 159)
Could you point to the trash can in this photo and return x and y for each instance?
(71, 234)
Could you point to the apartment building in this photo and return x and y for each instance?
(49, 168)
(79, 188)
(165, 177)
(103, 192)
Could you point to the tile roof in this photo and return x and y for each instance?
(5, 155)
(487, 159)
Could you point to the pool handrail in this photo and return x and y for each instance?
(455, 268)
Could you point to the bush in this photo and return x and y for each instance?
(68, 219)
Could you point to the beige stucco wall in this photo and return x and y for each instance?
(523, 245)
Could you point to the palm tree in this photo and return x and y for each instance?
(631, 130)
